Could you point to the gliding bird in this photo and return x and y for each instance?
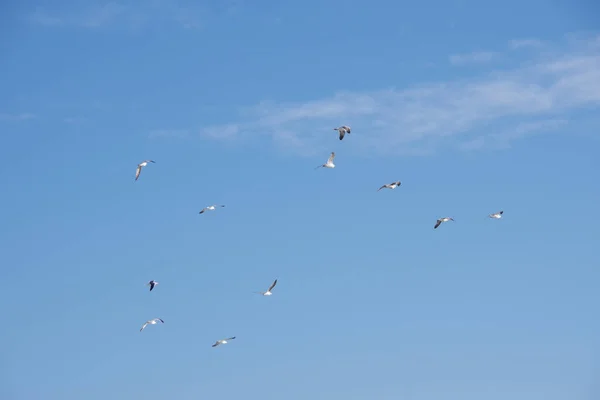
(210, 208)
(497, 215)
(392, 185)
(329, 163)
(152, 322)
(222, 341)
(268, 292)
(152, 283)
(439, 221)
(140, 166)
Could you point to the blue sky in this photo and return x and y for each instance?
(476, 106)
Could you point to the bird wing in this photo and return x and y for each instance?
(346, 128)
(203, 210)
(384, 186)
(216, 343)
(151, 286)
(342, 133)
(137, 172)
(501, 212)
(331, 157)
(230, 338)
(144, 326)
(318, 166)
(273, 285)
(158, 319)
(437, 223)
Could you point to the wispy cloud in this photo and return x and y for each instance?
(477, 57)
(520, 43)
(129, 13)
(168, 133)
(16, 117)
(507, 103)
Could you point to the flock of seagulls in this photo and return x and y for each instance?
(342, 130)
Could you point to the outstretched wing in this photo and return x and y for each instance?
(158, 319)
(342, 133)
(230, 338)
(331, 157)
(383, 187)
(151, 285)
(438, 223)
(216, 344)
(143, 326)
(202, 211)
(273, 285)
(137, 172)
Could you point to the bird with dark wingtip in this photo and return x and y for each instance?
(152, 283)
(141, 165)
(222, 341)
(392, 185)
(342, 130)
(441, 220)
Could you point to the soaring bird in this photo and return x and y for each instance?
(140, 166)
(439, 221)
(210, 208)
(497, 215)
(392, 185)
(342, 130)
(329, 163)
(268, 292)
(222, 341)
(152, 322)
(152, 283)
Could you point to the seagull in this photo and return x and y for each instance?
(268, 292)
(222, 341)
(329, 163)
(152, 322)
(392, 185)
(210, 208)
(342, 130)
(140, 166)
(152, 283)
(439, 221)
(497, 215)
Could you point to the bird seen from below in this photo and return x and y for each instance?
(210, 208)
(141, 165)
(329, 163)
(392, 185)
(222, 341)
(152, 322)
(152, 283)
(497, 215)
(268, 292)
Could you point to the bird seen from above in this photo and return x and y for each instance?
(141, 165)
(329, 163)
(439, 221)
(152, 283)
(342, 130)
(497, 215)
(392, 185)
(152, 322)
(268, 292)
(210, 208)
(222, 341)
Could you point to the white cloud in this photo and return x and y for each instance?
(16, 117)
(545, 86)
(477, 57)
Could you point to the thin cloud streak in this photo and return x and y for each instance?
(546, 86)
(472, 58)
(16, 117)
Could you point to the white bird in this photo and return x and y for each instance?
(152, 322)
(210, 208)
(140, 166)
(222, 341)
(268, 292)
(392, 185)
(439, 221)
(152, 283)
(342, 130)
(329, 163)
(497, 215)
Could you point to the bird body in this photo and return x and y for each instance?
(329, 163)
(152, 322)
(497, 215)
(210, 208)
(392, 185)
(442, 220)
(268, 292)
(141, 165)
(342, 130)
(222, 341)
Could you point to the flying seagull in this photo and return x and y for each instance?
(342, 130)
(210, 208)
(222, 341)
(329, 163)
(497, 215)
(392, 185)
(152, 283)
(268, 292)
(152, 322)
(140, 166)
(439, 221)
